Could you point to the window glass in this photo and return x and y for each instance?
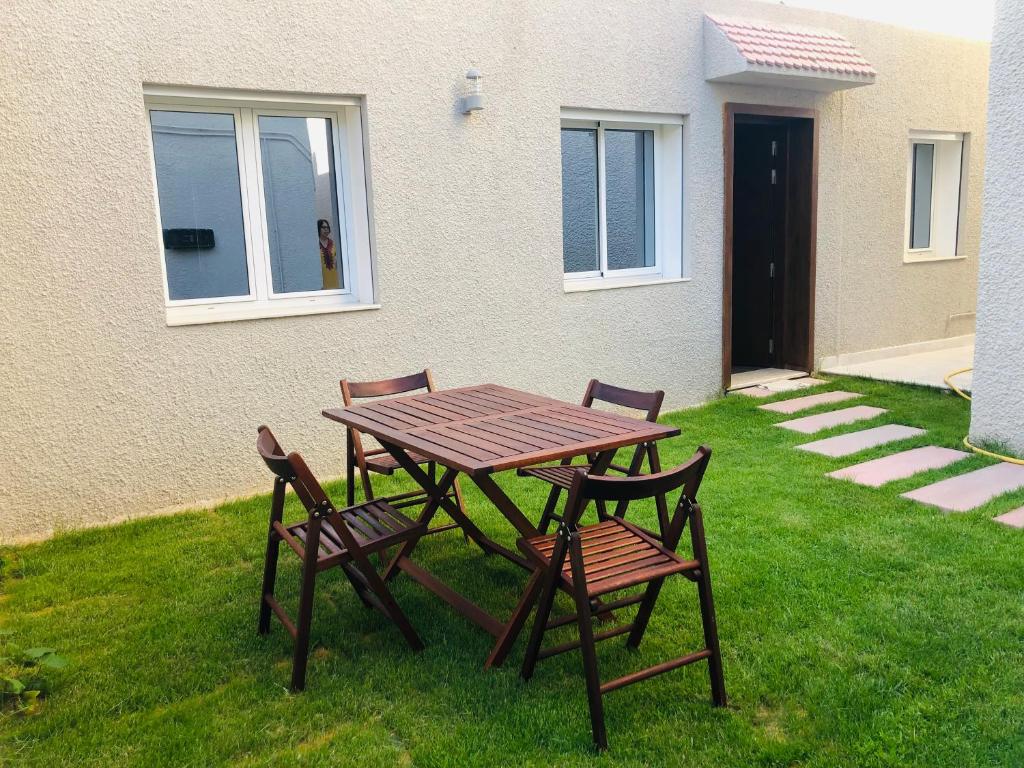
(921, 196)
(200, 204)
(301, 200)
(579, 200)
(629, 199)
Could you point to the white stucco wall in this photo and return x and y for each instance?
(110, 413)
(997, 411)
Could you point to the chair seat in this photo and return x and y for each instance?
(558, 475)
(374, 525)
(616, 555)
(385, 463)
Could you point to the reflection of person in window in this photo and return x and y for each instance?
(328, 257)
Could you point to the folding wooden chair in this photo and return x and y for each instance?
(560, 476)
(364, 461)
(328, 537)
(614, 555)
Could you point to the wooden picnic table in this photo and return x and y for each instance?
(479, 431)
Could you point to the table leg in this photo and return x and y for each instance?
(505, 505)
(437, 497)
(488, 545)
(429, 510)
(599, 467)
(515, 623)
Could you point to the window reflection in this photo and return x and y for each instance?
(301, 196)
(200, 204)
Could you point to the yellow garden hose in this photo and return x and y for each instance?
(967, 397)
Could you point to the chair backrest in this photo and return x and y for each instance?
(291, 469)
(649, 402)
(354, 390)
(687, 476)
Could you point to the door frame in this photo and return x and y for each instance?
(730, 110)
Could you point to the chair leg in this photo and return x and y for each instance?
(356, 585)
(302, 626)
(707, 608)
(270, 559)
(583, 618)
(549, 509)
(707, 615)
(350, 468)
(394, 612)
(269, 579)
(643, 615)
(547, 599)
(364, 475)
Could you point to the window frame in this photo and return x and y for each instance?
(669, 148)
(914, 144)
(944, 236)
(355, 260)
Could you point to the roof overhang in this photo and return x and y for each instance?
(751, 52)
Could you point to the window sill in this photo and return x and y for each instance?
(607, 283)
(230, 312)
(917, 257)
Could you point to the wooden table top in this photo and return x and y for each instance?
(489, 428)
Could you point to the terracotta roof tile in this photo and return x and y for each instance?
(813, 50)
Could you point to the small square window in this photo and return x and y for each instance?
(622, 196)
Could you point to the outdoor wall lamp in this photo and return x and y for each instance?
(473, 99)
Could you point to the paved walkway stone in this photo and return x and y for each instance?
(809, 401)
(899, 465)
(1015, 518)
(852, 442)
(810, 424)
(965, 492)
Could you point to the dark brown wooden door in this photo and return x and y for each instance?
(759, 243)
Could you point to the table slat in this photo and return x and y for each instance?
(489, 428)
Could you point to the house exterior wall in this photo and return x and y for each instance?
(110, 413)
(997, 413)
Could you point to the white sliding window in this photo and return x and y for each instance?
(261, 203)
(621, 201)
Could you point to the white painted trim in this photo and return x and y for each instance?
(602, 205)
(233, 97)
(577, 285)
(928, 136)
(871, 355)
(226, 313)
(926, 255)
(620, 116)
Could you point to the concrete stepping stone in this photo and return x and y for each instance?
(758, 391)
(809, 401)
(965, 492)
(853, 442)
(1014, 519)
(788, 385)
(878, 472)
(810, 424)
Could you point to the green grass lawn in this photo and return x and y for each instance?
(858, 629)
